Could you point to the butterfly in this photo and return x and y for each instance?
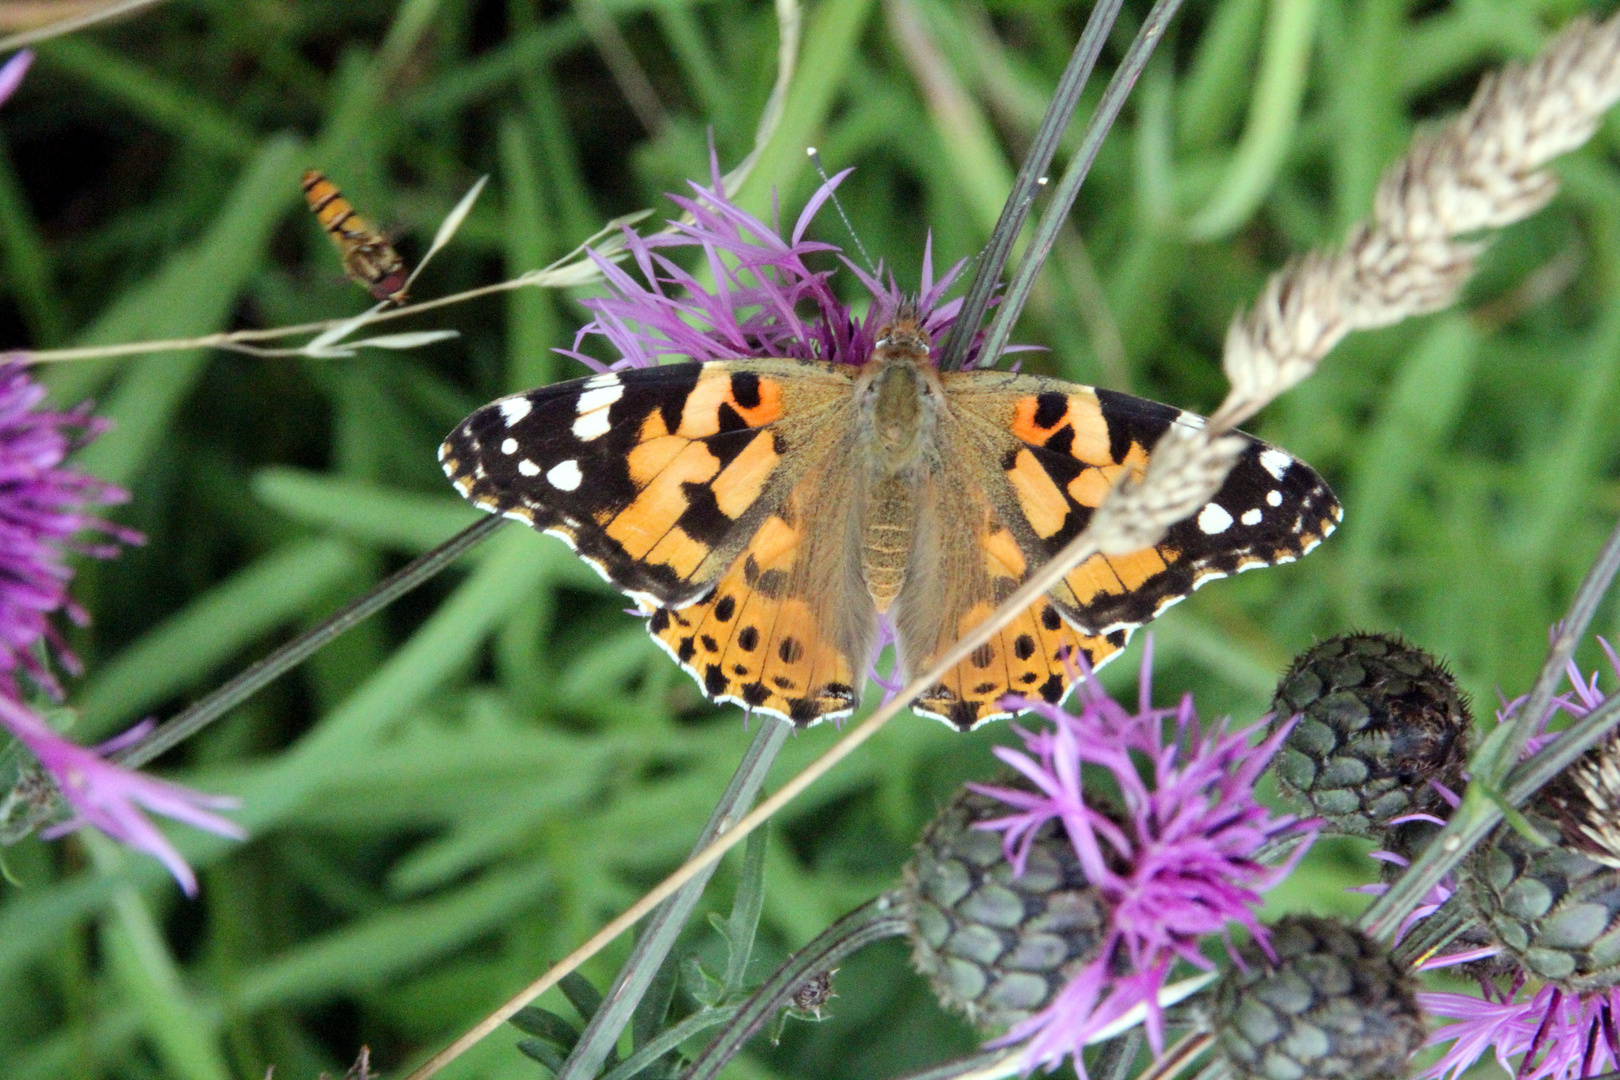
(770, 516)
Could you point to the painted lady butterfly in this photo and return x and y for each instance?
(766, 514)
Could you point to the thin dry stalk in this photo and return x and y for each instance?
(60, 18)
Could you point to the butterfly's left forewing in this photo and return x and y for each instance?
(1061, 449)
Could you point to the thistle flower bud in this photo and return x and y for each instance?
(998, 947)
(1331, 1004)
(1555, 905)
(1379, 723)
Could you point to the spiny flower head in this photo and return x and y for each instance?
(1174, 852)
(761, 297)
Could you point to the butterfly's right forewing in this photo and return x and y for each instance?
(657, 476)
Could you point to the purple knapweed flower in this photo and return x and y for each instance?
(761, 298)
(1559, 1035)
(42, 510)
(110, 797)
(1174, 854)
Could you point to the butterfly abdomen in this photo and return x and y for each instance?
(899, 395)
(886, 534)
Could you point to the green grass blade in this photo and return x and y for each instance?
(1279, 89)
(28, 260)
(159, 101)
(215, 627)
(193, 293)
(368, 513)
(146, 972)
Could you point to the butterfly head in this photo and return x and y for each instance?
(903, 337)
(899, 392)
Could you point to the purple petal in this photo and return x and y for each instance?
(11, 75)
(111, 798)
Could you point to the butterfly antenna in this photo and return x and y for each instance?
(815, 159)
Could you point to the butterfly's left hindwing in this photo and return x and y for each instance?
(656, 476)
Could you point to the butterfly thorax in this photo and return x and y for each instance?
(900, 396)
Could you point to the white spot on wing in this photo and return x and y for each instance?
(601, 391)
(565, 475)
(528, 468)
(591, 425)
(1214, 519)
(515, 409)
(1275, 462)
(600, 397)
(1250, 517)
(509, 446)
(1273, 498)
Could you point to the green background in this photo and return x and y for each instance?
(466, 787)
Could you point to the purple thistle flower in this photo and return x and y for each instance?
(764, 299)
(111, 797)
(42, 510)
(1174, 856)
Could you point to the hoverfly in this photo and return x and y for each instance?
(368, 258)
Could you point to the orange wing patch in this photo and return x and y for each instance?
(752, 642)
(656, 476)
(1038, 418)
(647, 522)
(1071, 445)
(1032, 656)
(705, 411)
(1110, 575)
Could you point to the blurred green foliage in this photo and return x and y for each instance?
(462, 790)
